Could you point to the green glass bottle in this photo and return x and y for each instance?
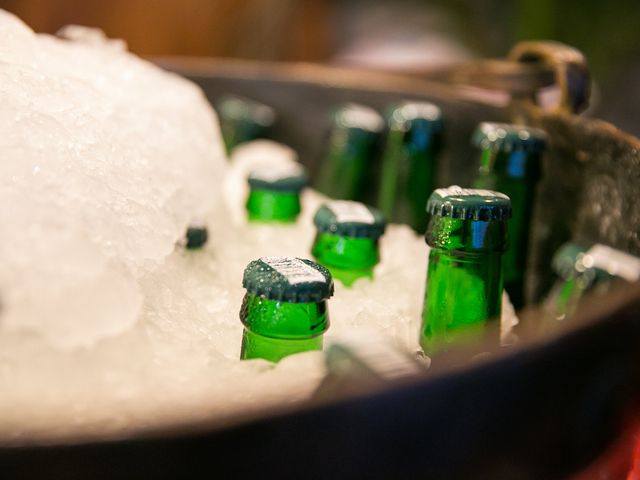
(574, 279)
(467, 233)
(243, 120)
(580, 270)
(345, 171)
(409, 162)
(274, 194)
(347, 239)
(510, 163)
(285, 308)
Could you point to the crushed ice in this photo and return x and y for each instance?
(105, 325)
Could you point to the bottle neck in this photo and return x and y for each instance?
(408, 173)
(345, 173)
(275, 329)
(273, 206)
(515, 174)
(422, 137)
(239, 130)
(515, 165)
(473, 237)
(347, 258)
(277, 319)
(569, 289)
(563, 298)
(275, 349)
(463, 293)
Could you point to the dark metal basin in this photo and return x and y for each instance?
(540, 410)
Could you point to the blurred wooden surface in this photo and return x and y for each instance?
(255, 29)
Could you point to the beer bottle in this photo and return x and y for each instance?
(243, 120)
(580, 270)
(274, 194)
(510, 163)
(467, 233)
(346, 240)
(284, 310)
(345, 171)
(409, 162)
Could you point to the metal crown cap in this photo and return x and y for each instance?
(289, 178)
(288, 279)
(361, 117)
(425, 113)
(196, 236)
(508, 137)
(469, 204)
(241, 108)
(350, 219)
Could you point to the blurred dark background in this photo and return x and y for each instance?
(393, 35)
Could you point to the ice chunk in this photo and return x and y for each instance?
(508, 322)
(105, 160)
(90, 36)
(57, 283)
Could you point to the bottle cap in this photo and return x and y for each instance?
(469, 204)
(566, 258)
(196, 236)
(280, 178)
(360, 117)
(243, 109)
(410, 114)
(349, 219)
(288, 279)
(507, 137)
